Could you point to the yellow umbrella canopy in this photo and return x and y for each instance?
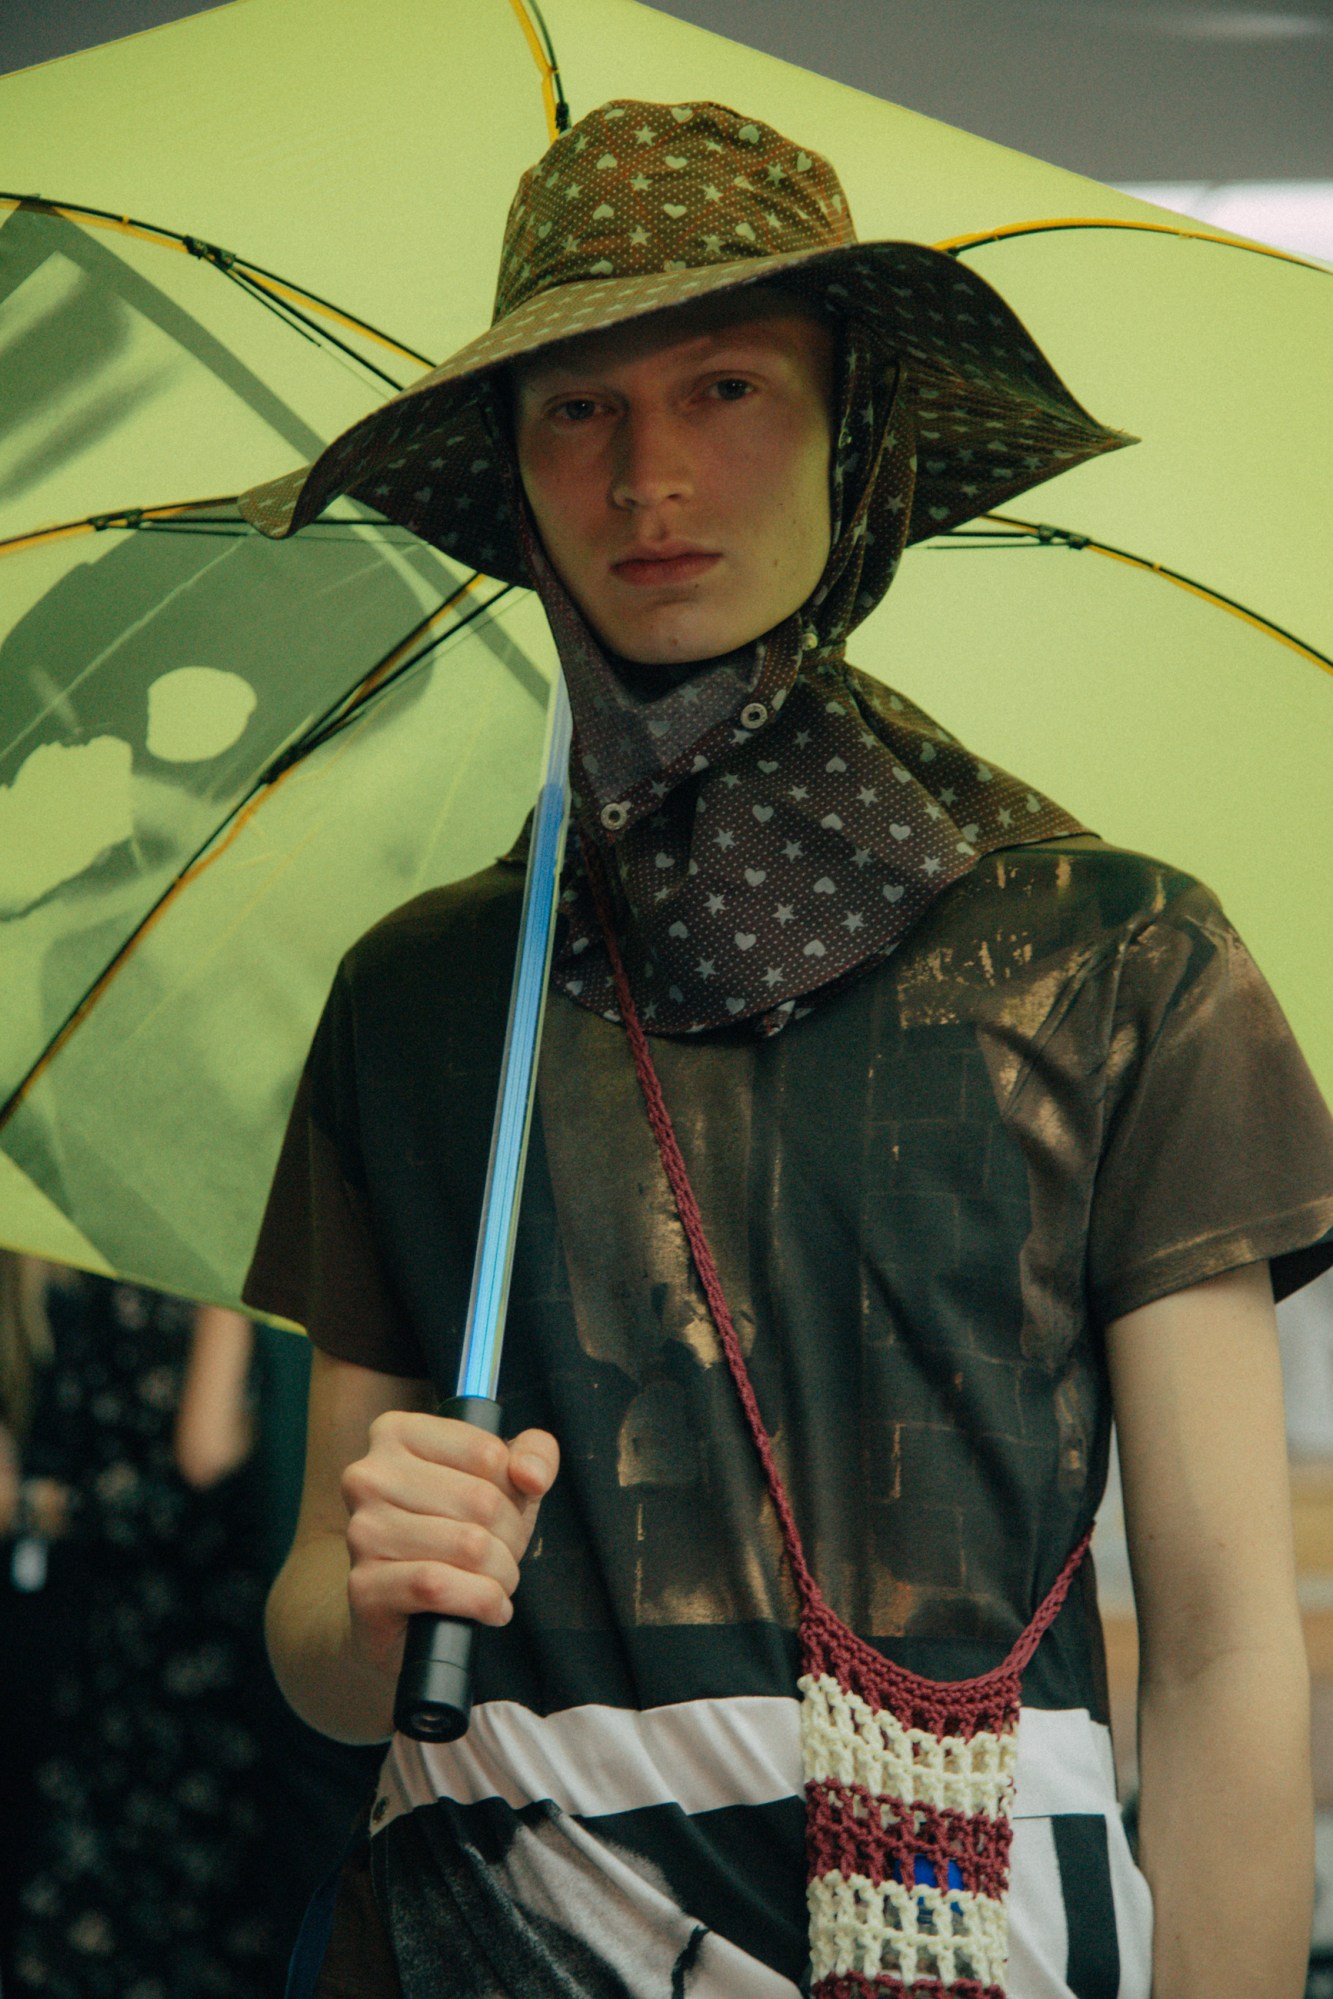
(377, 171)
(139, 359)
(239, 764)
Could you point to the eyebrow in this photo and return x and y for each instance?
(724, 345)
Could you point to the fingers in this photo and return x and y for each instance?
(381, 1533)
(444, 1440)
(383, 1595)
(439, 1516)
(441, 1469)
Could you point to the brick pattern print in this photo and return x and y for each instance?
(908, 1781)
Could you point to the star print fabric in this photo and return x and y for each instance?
(764, 851)
(664, 169)
(643, 207)
(802, 860)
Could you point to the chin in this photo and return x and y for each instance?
(688, 646)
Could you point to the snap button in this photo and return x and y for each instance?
(614, 817)
(754, 715)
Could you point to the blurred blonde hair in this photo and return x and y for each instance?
(25, 1336)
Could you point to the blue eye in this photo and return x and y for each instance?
(582, 404)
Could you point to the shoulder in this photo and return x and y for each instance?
(462, 932)
(431, 978)
(1083, 896)
(1051, 918)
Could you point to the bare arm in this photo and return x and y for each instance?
(1226, 1808)
(9, 1481)
(214, 1430)
(400, 1511)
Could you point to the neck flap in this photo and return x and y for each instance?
(776, 821)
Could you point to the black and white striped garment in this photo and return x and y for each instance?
(604, 1835)
(1066, 1093)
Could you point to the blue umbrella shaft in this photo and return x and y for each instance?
(483, 1333)
(434, 1695)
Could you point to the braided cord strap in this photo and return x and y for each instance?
(908, 1781)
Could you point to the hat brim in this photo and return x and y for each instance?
(993, 416)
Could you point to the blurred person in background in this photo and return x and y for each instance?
(32, 1586)
(1305, 1328)
(176, 1818)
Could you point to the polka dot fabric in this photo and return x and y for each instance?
(641, 207)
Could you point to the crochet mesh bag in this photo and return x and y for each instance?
(909, 1782)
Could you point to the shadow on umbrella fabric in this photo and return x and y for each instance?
(156, 710)
(133, 367)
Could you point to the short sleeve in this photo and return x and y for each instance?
(316, 1261)
(1218, 1146)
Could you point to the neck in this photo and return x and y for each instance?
(645, 680)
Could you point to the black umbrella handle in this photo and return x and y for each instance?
(433, 1702)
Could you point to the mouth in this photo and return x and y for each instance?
(672, 565)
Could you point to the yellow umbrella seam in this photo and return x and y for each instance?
(955, 245)
(1187, 583)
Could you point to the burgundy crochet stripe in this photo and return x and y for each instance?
(989, 1701)
(988, 1705)
(956, 1707)
(846, 1834)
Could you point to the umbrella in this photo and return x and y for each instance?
(141, 361)
(187, 869)
(1187, 716)
(160, 675)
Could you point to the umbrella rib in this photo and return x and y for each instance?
(561, 109)
(255, 272)
(387, 674)
(381, 676)
(301, 322)
(954, 246)
(181, 517)
(194, 246)
(1042, 534)
(123, 517)
(553, 95)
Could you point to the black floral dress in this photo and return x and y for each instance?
(147, 1878)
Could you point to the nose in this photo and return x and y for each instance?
(652, 461)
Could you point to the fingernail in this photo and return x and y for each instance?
(529, 1467)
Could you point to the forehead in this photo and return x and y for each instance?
(762, 316)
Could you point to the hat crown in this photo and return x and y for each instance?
(636, 188)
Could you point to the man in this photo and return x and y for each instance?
(991, 1126)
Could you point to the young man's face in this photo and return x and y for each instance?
(678, 471)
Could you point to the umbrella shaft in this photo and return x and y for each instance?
(479, 1367)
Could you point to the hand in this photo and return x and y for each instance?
(439, 1516)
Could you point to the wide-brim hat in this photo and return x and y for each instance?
(643, 207)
